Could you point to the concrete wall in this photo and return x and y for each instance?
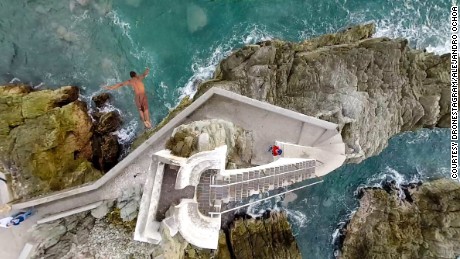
(266, 125)
(269, 122)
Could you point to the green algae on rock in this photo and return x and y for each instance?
(426, 226)
(253, 238)
(45, 140)
(262, 238)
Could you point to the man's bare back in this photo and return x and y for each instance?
(138, 85)
(139, 91)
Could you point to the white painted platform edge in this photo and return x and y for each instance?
(69, 212)
(117, 169)
(25, 252)
(145, 201)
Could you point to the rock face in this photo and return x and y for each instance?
(373, 88)
(108, 122)
(198, 136)
(101, 99)
(423, 225)
(128, 202)
(45, 140)
(259, 238)
(82, 236)
(106, 147)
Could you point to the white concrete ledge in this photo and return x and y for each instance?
(144, 205)
(26, 251)
(190, 172)
(197, 229)
(69, 212)
(161, 134)
(147, 229)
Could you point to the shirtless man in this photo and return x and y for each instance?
(140, 96)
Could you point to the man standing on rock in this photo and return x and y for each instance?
(140, 95)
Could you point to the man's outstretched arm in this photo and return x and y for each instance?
(115, 86)
(146, 72)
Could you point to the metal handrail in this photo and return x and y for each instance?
(254, 202)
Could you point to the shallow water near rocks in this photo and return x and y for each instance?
(97, 42)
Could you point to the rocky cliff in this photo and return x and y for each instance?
(269, 237)
(84, 236)
(413, 222)
(373, 88)
(206, 135)
(45, 140)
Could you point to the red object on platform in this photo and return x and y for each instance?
(275, 150)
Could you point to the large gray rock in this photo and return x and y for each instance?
(51, 237)
(424, 225)
(206, 135)
(102, 209)
(373, 88)
(86, 237)
(128, 202)
(259, 238)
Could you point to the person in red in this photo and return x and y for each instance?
(276, 151)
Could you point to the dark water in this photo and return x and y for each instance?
(64, 42)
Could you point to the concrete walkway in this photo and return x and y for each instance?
(268, 122)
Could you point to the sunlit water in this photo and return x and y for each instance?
(91, 43)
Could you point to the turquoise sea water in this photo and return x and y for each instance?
(90, 43)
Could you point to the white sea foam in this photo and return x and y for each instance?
(415, 24)
(163, 85)
(127, 133)
(203, 69)
(336, 234)
(39, 85)
(297, 218)
(125, 27)
(421, 37)
(256, 34)
(15, 80)
(393, 175)
(257, 209)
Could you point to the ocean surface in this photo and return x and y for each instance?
(91, 43)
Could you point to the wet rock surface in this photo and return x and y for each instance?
(106, 147)
(108, 122)
(414, 221)
(101, 99)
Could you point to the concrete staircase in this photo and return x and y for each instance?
(238, 184)
(327, 149)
